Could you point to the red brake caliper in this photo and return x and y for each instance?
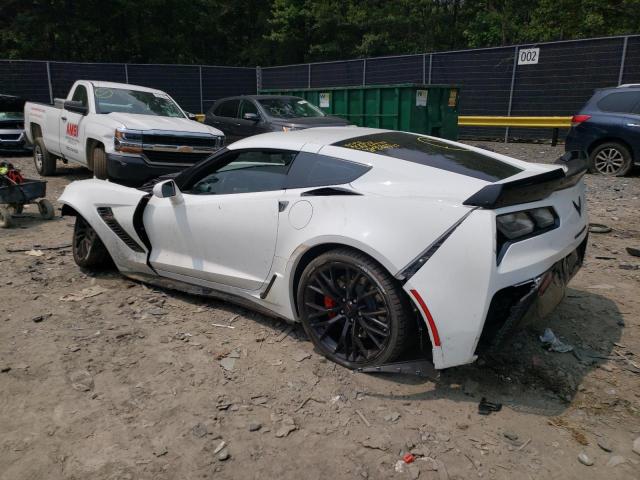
(329, 303)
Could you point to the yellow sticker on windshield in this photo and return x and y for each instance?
(371, 146)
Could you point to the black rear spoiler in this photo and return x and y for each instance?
(534, 188)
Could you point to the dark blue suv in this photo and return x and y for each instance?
(608, 130)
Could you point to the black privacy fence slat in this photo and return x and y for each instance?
(181, 82)
(491, 80)
(64, 74)
(631, 72)
(291, 76)
(25, 79)
(409, 69)
(484, 77)
(193, 87)
(337, 74)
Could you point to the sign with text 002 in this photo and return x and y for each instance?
(528, 56)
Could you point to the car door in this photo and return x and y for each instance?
(224, 227)
(72, 127)
(224, 116)
(250, 122)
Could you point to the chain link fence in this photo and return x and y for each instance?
(194, 87)
(492, 80)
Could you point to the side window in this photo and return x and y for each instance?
(245, 172)
(80, 95)
(619, 102)
(248, 107)
(314, 170)
(228, 109)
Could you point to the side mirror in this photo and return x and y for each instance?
(191, 116)
(254, 117)
(167, 189)
(76, 107)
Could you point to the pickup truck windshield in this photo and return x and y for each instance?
(290, 108)
(110, 100)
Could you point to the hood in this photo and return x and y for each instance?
(307, 122)
(9, 103)
(154, 122)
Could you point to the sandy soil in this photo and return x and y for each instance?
(131, 383)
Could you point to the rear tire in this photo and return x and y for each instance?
(46, 209)
(353, 311)
(88, 250)
(99, 163)
(611, 158)
(45, 162)
(5, 218)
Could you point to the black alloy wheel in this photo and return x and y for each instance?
(352, 309)
(88, 249)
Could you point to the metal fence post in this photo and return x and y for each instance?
(309, 76)
(513, 80)
(201, 102)
(50, 86)
(624, 55)
(430, 65)
(258, 79)
(364, 71)
(126, 73)
(424, 68)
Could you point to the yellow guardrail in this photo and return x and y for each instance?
(526, 122)
(555, 123)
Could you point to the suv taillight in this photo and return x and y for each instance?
(578, 119)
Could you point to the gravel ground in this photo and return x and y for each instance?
(137, 383)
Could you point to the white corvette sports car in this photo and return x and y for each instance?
(373, 239)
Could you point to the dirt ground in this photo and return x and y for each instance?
(137, 383)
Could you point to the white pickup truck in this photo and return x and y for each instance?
(119, 131)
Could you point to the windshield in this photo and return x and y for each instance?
(291, 107)
(11, 115)
(134, 101)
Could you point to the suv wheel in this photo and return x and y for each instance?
(610, 158)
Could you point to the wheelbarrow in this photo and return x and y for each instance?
(14, 196)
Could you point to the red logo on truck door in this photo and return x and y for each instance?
(72, 129)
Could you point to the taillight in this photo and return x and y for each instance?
(578, 119)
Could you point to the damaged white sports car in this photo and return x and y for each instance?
(373, 239)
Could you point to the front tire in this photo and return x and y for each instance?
(611, 158)
(45, 162)
(88, 250)
(99, 163)
(353, 311)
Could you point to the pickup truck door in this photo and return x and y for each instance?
(72, 127)
(223, 228)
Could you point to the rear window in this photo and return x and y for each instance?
(620, 102)
(433, 153)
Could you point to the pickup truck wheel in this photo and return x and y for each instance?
(99, 163)
(45, 162)
(88, 249)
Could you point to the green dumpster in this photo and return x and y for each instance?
(426, 109)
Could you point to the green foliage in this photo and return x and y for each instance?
(266, 32)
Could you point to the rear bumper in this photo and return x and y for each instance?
(134, 169)
(528, 301)
(464, 287)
